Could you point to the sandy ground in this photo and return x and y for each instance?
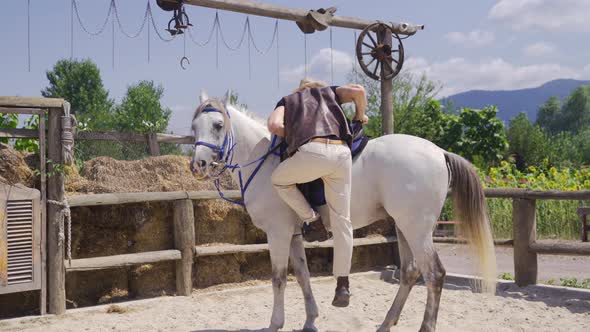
(456, 259)
(248, 308)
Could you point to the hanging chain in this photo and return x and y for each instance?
(239, 44)
(216, 40)
(155, 26)
(249, 50)
(148, 41)
(72, 4)
(272, 41)
(305, 52)
(113, 48)
(354, 73)
(29, 34)
(104, 24)
(209, 38)
(331, 57)
(130, 35)
(278, 62)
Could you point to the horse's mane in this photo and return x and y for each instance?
(219, 104)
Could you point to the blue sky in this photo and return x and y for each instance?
(484, 44)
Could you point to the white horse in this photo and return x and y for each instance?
(401, 176)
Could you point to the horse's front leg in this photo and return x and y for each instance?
(279, 256)
(299, 263)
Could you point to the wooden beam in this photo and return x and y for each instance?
(8, 110)
(56, 277)
(18, 133)
(201, 251)
(125, 198)
(524, 234)
(560, 248)
(184, 241)
(142, 197)
(385, 37)
(131, 137)
(116, 261)
(290, 14)
(31, 102)
(536, 194)
(42, 167)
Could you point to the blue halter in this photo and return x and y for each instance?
(225, 154)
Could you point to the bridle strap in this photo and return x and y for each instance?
(230, 145)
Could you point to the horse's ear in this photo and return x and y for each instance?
(227, 98)
(203, 97)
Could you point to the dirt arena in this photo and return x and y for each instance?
(247, 308)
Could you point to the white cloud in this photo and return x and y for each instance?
(538, 49)
(458, 74)
(319, 67)
(475, 38)
(554, 15)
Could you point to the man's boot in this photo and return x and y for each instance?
(315, 231)
(342, 295)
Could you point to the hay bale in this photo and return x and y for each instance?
(93, 287)
(13, 167)
(152, 280)
(214, 270)
(163, 173)
(220, 221)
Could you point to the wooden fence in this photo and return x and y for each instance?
(526, 246)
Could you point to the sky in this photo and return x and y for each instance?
(484, 44)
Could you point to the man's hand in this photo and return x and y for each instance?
(276, 121)
(364, 119)
(354, 93)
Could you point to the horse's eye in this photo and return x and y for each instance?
(218, 125)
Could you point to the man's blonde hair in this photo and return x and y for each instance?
(309, 83)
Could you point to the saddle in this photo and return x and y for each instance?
(314, 191)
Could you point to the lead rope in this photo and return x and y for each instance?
(65, 208)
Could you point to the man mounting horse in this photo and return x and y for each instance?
(403, 177)
(319, 140)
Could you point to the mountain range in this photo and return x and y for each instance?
(512, 102)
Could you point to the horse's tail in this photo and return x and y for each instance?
(470, 207)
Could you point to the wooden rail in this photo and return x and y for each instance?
(115, 261)
(142, 197)
(201, 251)
(31, 102)
(559, 248)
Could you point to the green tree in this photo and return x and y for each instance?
(549, 116)
(477, 135)
(79, 82)
(527, 142)
(141, 111)
(576, 110)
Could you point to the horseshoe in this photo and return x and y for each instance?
(182, 62)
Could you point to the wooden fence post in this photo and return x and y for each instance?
(56, 273)
(184, 240)
(153, 145)
(524, 233)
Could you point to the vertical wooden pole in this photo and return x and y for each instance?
(153, 145)
(184, 240)
(55, 218)
(524, 233)
(385, 37)
(42, 165)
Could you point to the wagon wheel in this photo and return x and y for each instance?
(372, 54)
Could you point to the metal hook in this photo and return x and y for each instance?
(182, 62)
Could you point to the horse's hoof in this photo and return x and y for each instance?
(309, 329)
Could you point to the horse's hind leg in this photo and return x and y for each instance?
(299, 262)
(432, 270)
(409, 273)
(279, 246)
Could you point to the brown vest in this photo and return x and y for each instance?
(314, 112)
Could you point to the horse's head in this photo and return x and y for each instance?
(212, 131)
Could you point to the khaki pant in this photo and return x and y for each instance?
(333, 164)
